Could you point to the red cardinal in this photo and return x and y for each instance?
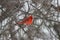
(26, 21)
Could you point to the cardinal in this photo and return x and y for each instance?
(26, 21)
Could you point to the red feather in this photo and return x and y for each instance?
(26, 21)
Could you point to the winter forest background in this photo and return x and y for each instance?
(45, 26)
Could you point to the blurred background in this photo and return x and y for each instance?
(46, 19)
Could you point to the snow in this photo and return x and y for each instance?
(38, 21)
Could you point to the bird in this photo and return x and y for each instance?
(26, 21)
